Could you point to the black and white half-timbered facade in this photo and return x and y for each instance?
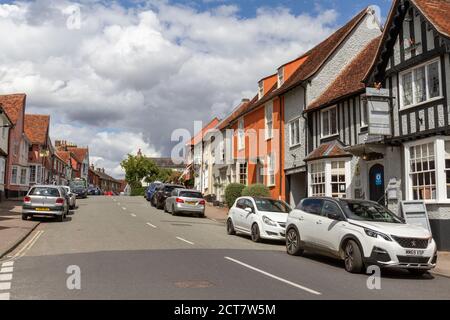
(381, 130)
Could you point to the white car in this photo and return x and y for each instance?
(262, 218)
(72, 197)
(362, 233)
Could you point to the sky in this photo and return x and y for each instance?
(122, 76)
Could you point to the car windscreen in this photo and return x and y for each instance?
(77, 184)
(44, 192)
(191, 194)
(368, 211)
(170, 188)
(271, 205)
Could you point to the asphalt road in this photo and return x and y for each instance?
(125, 249)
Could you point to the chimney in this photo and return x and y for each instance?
(245, 100)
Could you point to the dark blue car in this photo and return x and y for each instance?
(150, 191)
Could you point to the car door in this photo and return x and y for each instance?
(238, 214)
(308, 215)
(329, 225)
(248, 217)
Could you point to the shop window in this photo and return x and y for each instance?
(318, 179)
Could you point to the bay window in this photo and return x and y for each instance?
(294, 133)
(428, 169)
(420, 84)
(23, 176)
(329, 122)
(329, 177)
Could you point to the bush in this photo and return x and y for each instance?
(232, 192)
(256, 190)
(137, 191)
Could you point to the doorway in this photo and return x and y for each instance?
(376, 183)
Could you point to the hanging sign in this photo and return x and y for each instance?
(378, 108)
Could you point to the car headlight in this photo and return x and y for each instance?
(376, 234)
(269, 221)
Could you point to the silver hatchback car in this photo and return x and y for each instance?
(185, 201)
(45, 200)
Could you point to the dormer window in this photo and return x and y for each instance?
(280, 76)
(260, 89)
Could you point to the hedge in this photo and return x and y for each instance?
(137, 191)
(232, 192)
(256, 190)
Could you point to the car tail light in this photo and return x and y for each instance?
(202, 202)
(60, 201)
(27, 199)
(179, 200)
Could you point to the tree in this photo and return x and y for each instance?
(137, 168)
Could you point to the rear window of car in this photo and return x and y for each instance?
(191, 194)
(171, 188)
(44, 191)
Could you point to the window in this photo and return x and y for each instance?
(318, 179)
(313, 206)
(260, 89)
(271, 169)
(329, 122)
(269, 121)
(33, 174)
(420, 84)
(330, 208)
(243, 173)
(338, 183)
(14, 175)
(447, 167)
(423, 171)
(23, 176)
(364, 113)
(241, 134)
(280, 76)
(2, 170)
(294, 133)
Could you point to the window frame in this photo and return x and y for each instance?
(241, 134)
(280, 77)
(260, 89)
(292, 143)
(412, 70)
(270, 170)
(322, 112)
(268, 125)
(327, 176)
(363, 112)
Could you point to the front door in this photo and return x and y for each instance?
(376, 183)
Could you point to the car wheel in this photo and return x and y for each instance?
(256, 236)
(353, 257)
(24, 217)
(417, 272)
(174, 213)
(230, 227)
(293, 243)
(60, 218)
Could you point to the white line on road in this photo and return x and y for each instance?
(5, 285)
(8, 264)
(133, 215)
(4, 296)
(184, 240)
(151, 225)
(29, 244)
(123, 208)
(6, 277)
(273, 276)
(6, 270)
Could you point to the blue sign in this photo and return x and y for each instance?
(378, 179)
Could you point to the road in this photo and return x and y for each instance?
(125, 249)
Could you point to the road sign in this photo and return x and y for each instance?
(415, 213)
(378, 107)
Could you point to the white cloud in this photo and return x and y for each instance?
(143, 71)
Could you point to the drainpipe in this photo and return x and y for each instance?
(306, 133)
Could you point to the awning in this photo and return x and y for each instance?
(367, 150)
(333, 149)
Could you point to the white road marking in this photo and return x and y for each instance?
(184, 240)
(8, 264)
(151, 225)
(5, 285)
(133, 215)
(274, 276)
(123, 208)
(4, 296)
(6, 277)
(6, 269)
(29, 244)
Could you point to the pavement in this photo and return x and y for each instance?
(13, 230)
(122, 248)
(216, 213)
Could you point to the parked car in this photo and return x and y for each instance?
(94, 191)
(185, 201)
(361, 233)
(163, 192)
(261, 218)
(78, 186)
(72, 197)
(151, 189)
(109, 193)
(45, 200)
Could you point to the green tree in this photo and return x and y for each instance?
(137, 168)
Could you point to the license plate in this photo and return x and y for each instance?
(192, 203)
(415, 252)
(42, 209)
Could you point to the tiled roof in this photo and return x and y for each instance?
(350, 79)
(437, 12)
(63, 155)
(199, 136)
(36, 127)
(14, 105)
(80, 153)
(333, 149)
(105, 176)
(167, 163)
(238, 112)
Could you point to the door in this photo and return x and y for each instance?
(238, 214)
(248, 217)
(376, 183)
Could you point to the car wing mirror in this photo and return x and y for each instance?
(248, 210)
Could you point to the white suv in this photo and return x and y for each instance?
(362, 233)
